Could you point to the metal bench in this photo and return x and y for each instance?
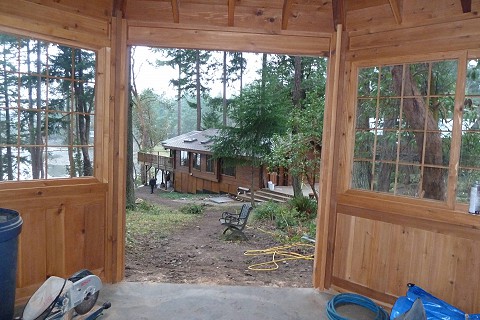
(236, 222)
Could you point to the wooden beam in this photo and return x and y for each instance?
(338, 8)
(230, 41)
(231, 13)
(466, 6)
(326, 213)
(396, 10)
(286, 12)
(119, 7)
(175, 11)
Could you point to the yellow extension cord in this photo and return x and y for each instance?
(277, 251)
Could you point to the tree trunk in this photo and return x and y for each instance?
(179, 101)
(420, 118)
(241, 73)
(130, 182)
(198, 88)
(83, 118)
(224, 79)
(8, 132)
(296, 99)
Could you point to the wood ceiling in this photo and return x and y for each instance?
(278, 16)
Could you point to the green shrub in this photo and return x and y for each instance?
(266, 211)
(306, 208)
(286, 218)
(192, 209)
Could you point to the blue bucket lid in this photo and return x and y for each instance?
(10, 224)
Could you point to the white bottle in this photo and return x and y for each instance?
(474, 207)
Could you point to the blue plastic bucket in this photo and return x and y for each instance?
(10, 227)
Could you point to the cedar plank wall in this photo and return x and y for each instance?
(381, 243)
(66, 224)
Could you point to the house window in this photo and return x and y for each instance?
(47, 110)
(196, 161)
(184, 158)
(210, 163)
(404, 129)
(228, 170)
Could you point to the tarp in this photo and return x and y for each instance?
(435, 308)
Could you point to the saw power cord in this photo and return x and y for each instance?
(352, 298)
(275, 252)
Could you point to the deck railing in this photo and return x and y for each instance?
(156, 160)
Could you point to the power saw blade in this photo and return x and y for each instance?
(87, 304)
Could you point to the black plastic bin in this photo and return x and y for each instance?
(10, 227)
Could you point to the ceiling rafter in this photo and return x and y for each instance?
(338, 9)
(175, 11)
(286, 13)
(396, 10)
(466, 6)
(231, 13)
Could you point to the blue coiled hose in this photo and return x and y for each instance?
(352, 298)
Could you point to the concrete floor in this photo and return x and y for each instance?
(159, 301)
(135, 300)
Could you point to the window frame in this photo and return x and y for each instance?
(209, 163)
(196, 161)
(184, 156)
(224, 170)
(450, 200)
(99, 92)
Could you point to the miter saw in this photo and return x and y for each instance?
(65, 299)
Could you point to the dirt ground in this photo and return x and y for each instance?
(198, 253)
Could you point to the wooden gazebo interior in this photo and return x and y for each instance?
(367, 242)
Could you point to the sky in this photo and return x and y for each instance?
(157, 78)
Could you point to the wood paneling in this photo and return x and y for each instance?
(63, 230)
(91, 8)
(37, 19)
(384, 257)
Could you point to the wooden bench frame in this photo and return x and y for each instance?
(236, 222)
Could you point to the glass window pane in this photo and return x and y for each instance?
(9, 163)
(419, 73)
(32, 165)
(368, 82)
(9, 47)
(410, 152)
(466, 178)
(388, 113)
(58, 162)
(387, 88)
(59, 95)
(408, 181)
(441, 110)
(443, 78)
(387, 146)
(434, 149)
(32, 129)
(384, 177)
(82, 163)
(411, 111)
(471, 114)
(364, 145)
(473, 78)
(8, 126)
(470, 150)
(434, 183)
(362, 175)
(366, 113)
(210, 163)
